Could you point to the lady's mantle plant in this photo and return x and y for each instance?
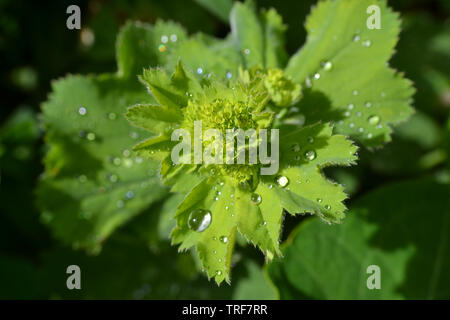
(338, 85)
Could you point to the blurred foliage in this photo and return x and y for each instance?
(35, 47)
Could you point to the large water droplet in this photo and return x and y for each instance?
(310, 155)
(373, 120)
(199, 220)
(327, 65)
(82, 111)
(255, 198)
(282, 181)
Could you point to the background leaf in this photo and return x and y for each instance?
(403, 228)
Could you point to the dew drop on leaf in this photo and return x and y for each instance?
(223, 239)
(367, 43)
(373, 120)
(295, 147)
(328, 207)
(319, 200)
(368, 104)
(255, 198)
(82, 111)
(356, 38)
(317, 76)
(310, 155)
(218, 272)
(90, 136)
(112, 116)
(282, 181)
(327, 65)
(199, 220)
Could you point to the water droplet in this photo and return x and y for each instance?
(347, 113)
(308, 82)
(282, 181)
(82, 111)
(129, 195)
(227, 207)
(90, 136)
(247, 51)
(255, 198)
(218, 272)
(369, 136)
(319, 200)
(223, 239)
(310, 155)
(229, 75)
(310, 139)
(359, 114)
(356, 38)
(350, 106)
(113, 178)
(355, 92)
(112, 116)
(199, 220)
(264, 223)
(270, 186)
(120, 204)
(199, 70)
(361, 130)
(164, 39)
(328, 207)
(173, 38)
(368, 104)
(126, 153)
(295, 147)
(220, 260)
(367, 43)
(373, 120)
(351, 125)
(327, 65)
(317, 76)
(82, 178)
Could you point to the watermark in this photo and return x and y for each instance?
(374, 20)
(74, 280)
(237, 143)
(374, 280)
(74, 20)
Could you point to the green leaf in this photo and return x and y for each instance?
(255, 286)
(217, 57)
(304, 152)
(259, 38)
(157, 118)
(221, 8)
(406, 238)
(93, 183)
(344, 64)
(141, 45)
